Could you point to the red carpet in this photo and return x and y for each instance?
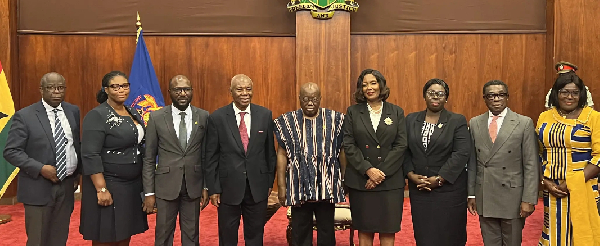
(13, 233)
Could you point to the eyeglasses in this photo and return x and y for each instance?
(55, 88)
(566, 93)
(180, 90)
(116, 87)
(436, 94)
(310, 99)
(492, 96)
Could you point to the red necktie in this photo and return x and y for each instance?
(243, 131)
(493, 129)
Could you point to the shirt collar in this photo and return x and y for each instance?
(50, 108)
(237, 110)
(188, 110)
(502, 114)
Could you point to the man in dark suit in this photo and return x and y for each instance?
(176, 134)
(503, 169)
(240, 170)
(44, 143)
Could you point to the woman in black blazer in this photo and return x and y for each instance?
(111, 150)
(439, 146)
(374, 143)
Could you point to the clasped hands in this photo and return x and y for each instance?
(559, 191)
(376, 176)
(423, 182)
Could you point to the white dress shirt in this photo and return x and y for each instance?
(177, 120)
(71, 157)
(246, 117)
(499, 121)
(375, 118)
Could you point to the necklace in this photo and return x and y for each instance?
(375, 111)
(564, 115)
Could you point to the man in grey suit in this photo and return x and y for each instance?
(503, 171)
(176, 135)
(44, 143)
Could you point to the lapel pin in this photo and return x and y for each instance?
(367, 146)
(196, 123)
(378, 147)
(388, 121)
(440, 125)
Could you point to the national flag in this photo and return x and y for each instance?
(8, 172)
(145, 95)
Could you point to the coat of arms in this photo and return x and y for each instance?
(322, 9)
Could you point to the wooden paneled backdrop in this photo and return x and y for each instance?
(464, 61)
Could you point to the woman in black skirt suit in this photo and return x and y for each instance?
(111, 149)
(439, 147)
(374, 143)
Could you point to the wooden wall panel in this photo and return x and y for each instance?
(209, 62)
(323, 57)
(465, 62)
(577, 39)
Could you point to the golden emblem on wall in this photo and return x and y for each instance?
(322, 9)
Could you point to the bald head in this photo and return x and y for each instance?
(240, 78)
(51, 78)
(241, 91)
(309, 88)
(52, 88)
(181, 92)
(179, 78)
(310, 99)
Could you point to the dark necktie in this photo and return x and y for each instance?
(61, 147)
(243, 131)
(182, 131)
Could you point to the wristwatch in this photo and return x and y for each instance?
(103, 189)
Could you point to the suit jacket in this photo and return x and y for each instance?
(504, 173)
(228, 166)
(447, 153)
(165, 178)
(365, 148)
(30, 145)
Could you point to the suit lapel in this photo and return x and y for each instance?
(438, 129)
(45, 122)
(232, 123)
(195, 119)
(169, 123)
(508, 126)
(383, 127)
(417, 125)
(366, 119)
(484, 130)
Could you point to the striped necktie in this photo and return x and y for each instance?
(61, 147)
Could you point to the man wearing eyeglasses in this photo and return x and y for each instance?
(310, 166)
(503, 169)
(176, 135)
(44, 143)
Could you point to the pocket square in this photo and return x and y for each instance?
(260, 131)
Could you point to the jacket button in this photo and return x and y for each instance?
(478, 150)
(368, 158)
(244, 172)
(503, 185)
(509, 151)
(379, 158)
(503, 167)
(426, 168)
(180, 167)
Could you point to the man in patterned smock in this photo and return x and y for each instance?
(310, 166)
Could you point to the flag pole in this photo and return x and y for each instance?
(138, 27)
